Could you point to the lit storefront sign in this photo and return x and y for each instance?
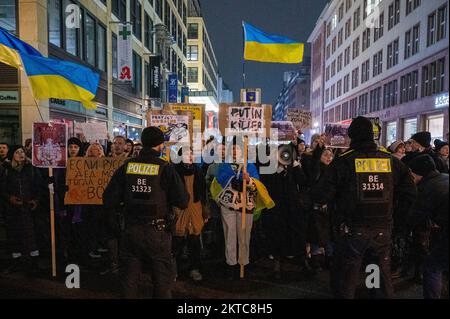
(9, 97)
(441, 100)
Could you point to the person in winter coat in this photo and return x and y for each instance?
(431, 207)
(421, 144)
(284, 224)
(397, 149)
(21, 188)
(441, 151)
(190, 221)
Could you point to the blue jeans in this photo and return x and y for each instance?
(435, 264)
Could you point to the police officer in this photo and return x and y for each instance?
(148, 187)
(365, 183)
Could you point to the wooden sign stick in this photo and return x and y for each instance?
(244, 207)
(52, 224)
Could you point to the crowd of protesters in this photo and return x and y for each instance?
(294, 228)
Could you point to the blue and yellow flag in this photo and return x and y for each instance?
(262, 47)
(49, 78)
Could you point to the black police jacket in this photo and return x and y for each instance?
(365, 182)
(147, 186)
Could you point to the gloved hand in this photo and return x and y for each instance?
(15, 201)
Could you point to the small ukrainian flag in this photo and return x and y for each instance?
(263, 47)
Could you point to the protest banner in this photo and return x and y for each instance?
(176, 128)
(286, 130)
(87, 178)
(245, 117)
(49, 145)
(300, 118)
(197, 111)
(92, 132)
(336, 135)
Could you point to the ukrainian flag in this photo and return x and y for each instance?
(50, 78)
(262, 47)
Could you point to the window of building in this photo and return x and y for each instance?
(192, 75)
(435, 125)
(71, 35)
(365, 71)
(392, 54)
(378, 63)
(333, 92)
(327, 73)
(441, 23)
(408, 44)
(54, 22)
(333, 68)
(348, 28)
(355, 78)
(353, 107)
(339, 88)
(346, 83)
(348, 5)
(340, 37)
(327, 95)
(391, 133)
(355, 48)
(344, 111)
(366, 39)
(341, 12)
(89, 36)
(135, 14)
(375, 99)
(328, 53)
(159, 8)
(101, 47)
(347, 56)
(115, 67)
(333, 45)
(193, 31)
(415, 39)
(192, 53)
(378, 32)
(396, 12)
(431, 34)
(339, 63)
(391, 16)
(137, 73)
(409, 128)
(411, 5)
(8, 15)
(356, 18)
(362, 109)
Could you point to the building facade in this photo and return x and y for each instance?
(93, 43)
(295, 92)
(202, 66)
(386, 59)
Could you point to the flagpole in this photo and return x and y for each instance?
(243, 55)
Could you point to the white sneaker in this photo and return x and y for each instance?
(196, 275)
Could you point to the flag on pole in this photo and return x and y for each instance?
(49, 78)
(263, 47)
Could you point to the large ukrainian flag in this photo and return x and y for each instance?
(263, 47)
(49, 78)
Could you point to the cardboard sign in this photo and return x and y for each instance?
(336, 135)
(49, 145)
(87, 178)
(92, 131)
(197, 111)
(175, 127)
(245, 117)
(286, 130)
(301, 119)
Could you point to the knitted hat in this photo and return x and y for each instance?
(74, 140)
(438, 144)
(422, 165)
(152, 136)
(361, 130)
(423, 138)
(13, 149)
(393, 147)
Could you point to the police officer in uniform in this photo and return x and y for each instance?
(366, 183)
(148, 187)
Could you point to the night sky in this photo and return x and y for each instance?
(292, 18)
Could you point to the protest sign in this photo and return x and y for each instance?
(176, 128)
(49, 145)
(197, 111)
(301, 119)
(92, 131)
(245, 117)
(87, 178)
(286, 130)
(336, 135)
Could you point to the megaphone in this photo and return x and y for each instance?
(286, 155)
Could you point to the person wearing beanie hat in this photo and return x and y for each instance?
(21, 189)
(147, 188)
(365, 183)
(74, 145)
(421, 144)
(397, 149)
(431, 206)
(441, 151)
